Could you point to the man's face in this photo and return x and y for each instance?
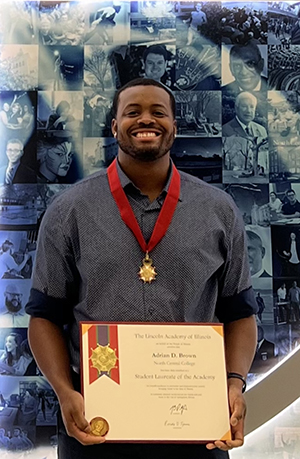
(144, 124)
(245, 71)
(155, 66)
(59, 159)
(13, 300)
(291, 197)
(245, 110)
(14, 152)
(255, 255)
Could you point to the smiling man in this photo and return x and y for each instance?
(243, 125)
(246, 65)
(88, 259)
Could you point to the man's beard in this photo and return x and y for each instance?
(146, 154)
(11, 307)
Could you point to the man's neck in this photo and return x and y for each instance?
(149, 177)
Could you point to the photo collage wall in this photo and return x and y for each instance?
(234, 69)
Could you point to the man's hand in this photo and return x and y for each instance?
(237, 408)
(72, 409)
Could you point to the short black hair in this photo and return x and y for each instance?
(254, 52)
(156, 49)
(142, 82)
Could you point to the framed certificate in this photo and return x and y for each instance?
(155, 382)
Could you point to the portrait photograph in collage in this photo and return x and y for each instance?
(234, 70)
(18, 137)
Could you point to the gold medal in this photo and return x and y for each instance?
(147, 272)
(99, 426)
(103, 358)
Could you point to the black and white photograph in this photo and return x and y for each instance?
(61, 23)
(286, 301)
(61, 68)
(21, 394)
(14, 295)
(244, 115)
(198, 23)
(283, 118)
(252, 201)
(18, 207)
(259, 251)
(60, 124)
(60, 110)
(17, 253)
(18, 22)
(284, 163)
(19, 67)
(244, 68)
(204, 160)
(197, 113)
(155, 61)
(152, 21)
(59, 157)
(198, 69)
(107, 23)
(287, 337)
(283, 23)
(266, 355)
(97, 112)
(263, 289)
(98, 153)
(286, 251)
(99, 70)
(245, 159)
(16, 358)
(17, 116)
(244, 23)
(283, 67)
(284, 203)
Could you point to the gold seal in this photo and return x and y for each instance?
(103, 358)
(99, 426)
(147, 272)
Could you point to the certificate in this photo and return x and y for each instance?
(155, 382)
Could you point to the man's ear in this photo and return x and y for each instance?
(114, 127)
(263, 252)
(175, 127)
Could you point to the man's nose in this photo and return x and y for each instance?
(145, 118)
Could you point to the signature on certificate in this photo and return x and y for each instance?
(178, 409)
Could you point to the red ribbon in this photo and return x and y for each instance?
(126, 212)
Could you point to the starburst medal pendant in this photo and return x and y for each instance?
(147, 272)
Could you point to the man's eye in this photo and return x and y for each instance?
(132, 113)
(158, 113)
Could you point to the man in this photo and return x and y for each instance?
(155, 62)
(13, 315)
(261, 306)
(246, 65)
(242, 125)
(291, 209)
(265, 356)
(294, 298)
(256, 254)
(15, 171)
(99, 280)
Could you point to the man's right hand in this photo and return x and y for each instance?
(72, 409)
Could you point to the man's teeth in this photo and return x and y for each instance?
(146, 134)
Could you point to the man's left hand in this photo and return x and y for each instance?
(237, 406)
